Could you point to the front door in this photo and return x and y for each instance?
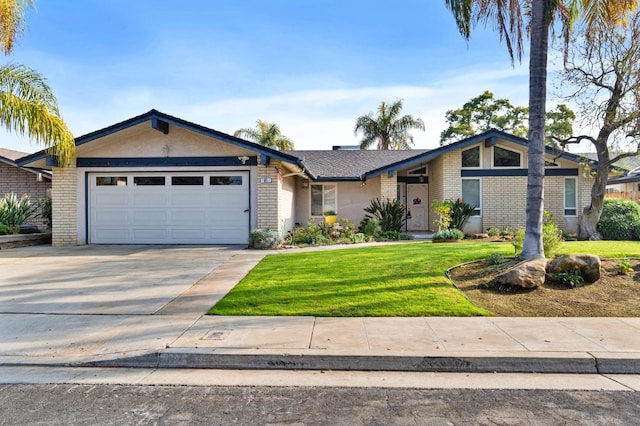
(417, 207)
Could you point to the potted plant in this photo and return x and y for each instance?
(330, 217)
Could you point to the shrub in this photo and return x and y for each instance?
(317, 234)
(15, 211)
(572, 278)
(551, 237)
(448, 234)
(625, 267)
(46, 210)
(443, 210)
(266, 238)
(391, 214)
(493, 232)
(405, 237)
(495, 259)
(620, 220)
(369, 226)
(4, 229)
(388, 236)
(460, 213)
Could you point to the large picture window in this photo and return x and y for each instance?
(471, 157)
(570, 197)
(471, 194)
(323, 198)
(506, 158)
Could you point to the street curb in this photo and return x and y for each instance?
(565, 363)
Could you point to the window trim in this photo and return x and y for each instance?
(493, 157)
(564, 197)
(479, 207)
(323, 203)
(479, 146)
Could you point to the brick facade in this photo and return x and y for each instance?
(268, 196)
(65, 204)
(20, 181)
(388, 187)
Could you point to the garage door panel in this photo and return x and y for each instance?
(146, 217)
(180, 214)
(111, 217)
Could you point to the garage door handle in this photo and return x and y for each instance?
(246, 210)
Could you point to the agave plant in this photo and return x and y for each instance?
(390, 214)
(14, 210)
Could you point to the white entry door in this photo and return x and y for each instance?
(169, 208)
(417, 207)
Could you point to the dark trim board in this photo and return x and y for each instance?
(516, 172)
(164, 161)
(413, 179)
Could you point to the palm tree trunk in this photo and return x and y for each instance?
(533, 247)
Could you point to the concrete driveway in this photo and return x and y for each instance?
(98, 280)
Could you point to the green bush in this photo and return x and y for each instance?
(460, 213)
(493, 232)
(495, 259)
(448, 234)
(266, 239)
(46, 210)
(391, 214)
(4, 229)
(15, 211)
(620, 220)
(369, 226)
(388, 236)
(551, 235)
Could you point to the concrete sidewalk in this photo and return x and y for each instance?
(179, 335)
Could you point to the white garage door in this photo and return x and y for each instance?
(169, 208)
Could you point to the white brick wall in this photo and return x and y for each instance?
(64, 197)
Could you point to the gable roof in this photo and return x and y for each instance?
(10, 154)
(161, 121)
(349, 165)
(10, 157)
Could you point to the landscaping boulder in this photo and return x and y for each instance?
(527, 274)
(587, 265)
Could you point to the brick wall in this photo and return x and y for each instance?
(19, 181)
(388, 186)
(64, 195)
(268, 201)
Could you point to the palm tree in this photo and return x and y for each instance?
(27, 103)
(508, 18)
(267, 134)
(387, 127)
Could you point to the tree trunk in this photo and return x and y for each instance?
(591, 214)
(533, 247)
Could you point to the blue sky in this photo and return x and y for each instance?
(311, 66)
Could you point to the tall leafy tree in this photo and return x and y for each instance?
(485, 112)
(267, 134)
(508, 18)
(387, 128)
(27, 103)
(604, 75)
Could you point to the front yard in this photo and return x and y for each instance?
(391, 280)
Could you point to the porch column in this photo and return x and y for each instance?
(388, 186)
(64, 199)
(269, 186)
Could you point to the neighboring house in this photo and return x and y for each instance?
(23, 180)
(160, 179)
(627, 186)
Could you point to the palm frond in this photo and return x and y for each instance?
(12, 22)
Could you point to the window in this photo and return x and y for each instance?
(187, 180)
(225, 180)
(570, 197)
(471, 194)
(323, 198)
(148, 180)
(505, 158)
(471, 157)
(419, 171)
(111, 181)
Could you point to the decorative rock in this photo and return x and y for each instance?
(527, 274)
(587, 265)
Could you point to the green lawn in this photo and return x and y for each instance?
(391, 280)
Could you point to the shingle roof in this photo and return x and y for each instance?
(349, 164)
(11, 154)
